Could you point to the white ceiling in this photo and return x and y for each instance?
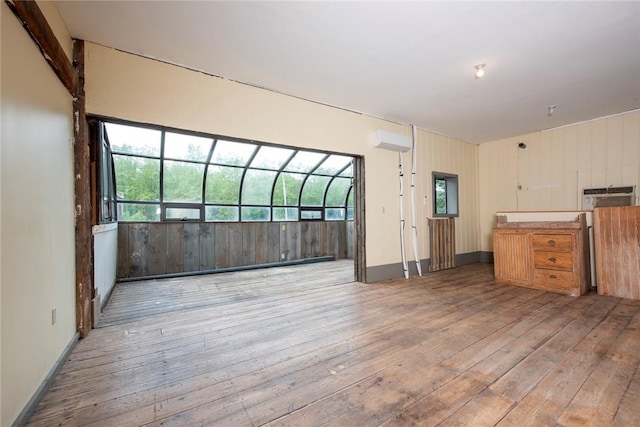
(411, 62)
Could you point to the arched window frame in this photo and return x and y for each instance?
(176, 210)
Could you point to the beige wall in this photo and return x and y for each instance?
(37, 220)
(556, 166)
(447, 155)
(130, 87)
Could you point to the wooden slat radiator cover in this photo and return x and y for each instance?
(442, 243)
(617, 248)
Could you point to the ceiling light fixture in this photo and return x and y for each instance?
(479, 70)
(551, 109)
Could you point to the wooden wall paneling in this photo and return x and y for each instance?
(191, 246)
(157, 248)
(599, 153)
(614, 151)
(350, 229)
(617, 249)
(290, 241)
(123, 251)
(572, 194)
(341, 237)
(175, 256)
(139, 247)
(305, 239)
(207, 246)
(601, 236)
(262, 242)
(584, 156)
(235, 244)
(295, 240)
(249, 243)
(273, 242)
(221, 244)
(631, 150)
(310, 239)
(553, 169)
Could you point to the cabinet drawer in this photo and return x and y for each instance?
(552, 242)
(553, 279)
(554, 260)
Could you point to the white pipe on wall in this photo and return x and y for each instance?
(414, 157)
(405, 266)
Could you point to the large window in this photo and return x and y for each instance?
(445, 195)
(165, 175)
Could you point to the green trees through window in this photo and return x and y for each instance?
(166, 175)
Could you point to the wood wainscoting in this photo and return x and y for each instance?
(157, 248)
(617, 248)
(300, 346)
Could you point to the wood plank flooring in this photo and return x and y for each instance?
(307, 346)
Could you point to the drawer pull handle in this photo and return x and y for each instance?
(552, 242)
(553, 276)
(552, 259)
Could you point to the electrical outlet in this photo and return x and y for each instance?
(284, 227)
(282, 256)
(53, 316)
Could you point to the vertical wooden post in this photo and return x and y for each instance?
(84, 246)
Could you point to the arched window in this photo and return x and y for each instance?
(167, 175)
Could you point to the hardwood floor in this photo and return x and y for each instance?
(306, 346)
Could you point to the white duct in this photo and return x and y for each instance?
(405, 266)
(414, 157)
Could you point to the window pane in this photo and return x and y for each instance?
(137, 178)
(334, 214)
(138, 212)
(348, 172)
(255, 213)
(271, 158)
(221, 213)
(313, 191)
(337, 192)
(186, 147)
(285, 214)
(182, 213)
(182, 181)
(311, 214)
(133, 140)
(287, 189)
(223, 184)
(304, 161)
(441, 196)
(333, 164)
(350, 214)
(232, 153)
(256, 188)
(350, 199)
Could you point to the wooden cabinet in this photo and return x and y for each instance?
(550, 256)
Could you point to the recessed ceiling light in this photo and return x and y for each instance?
(479, 70)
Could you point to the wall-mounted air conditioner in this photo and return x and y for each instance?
(608, 196)
(392, 141)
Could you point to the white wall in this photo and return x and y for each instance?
(556, 166)
(133, 88)
(105, 252)
(37, 221)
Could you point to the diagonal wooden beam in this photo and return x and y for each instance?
(32, 19)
